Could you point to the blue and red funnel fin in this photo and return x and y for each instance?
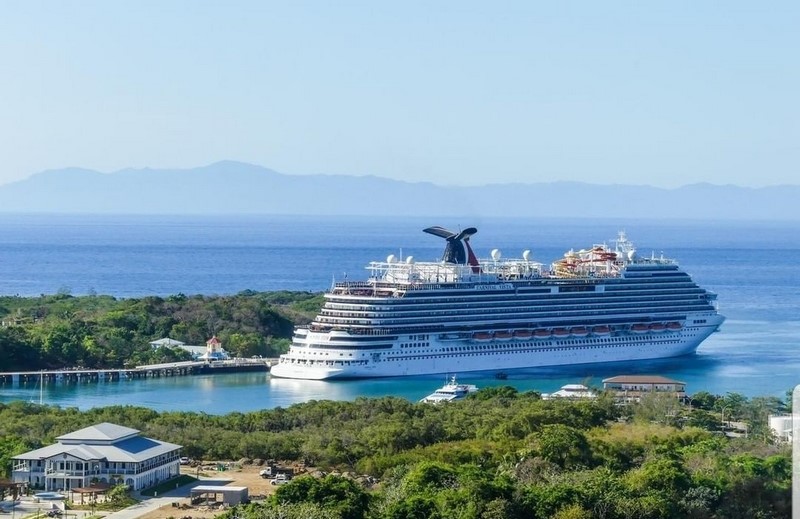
(471, 259)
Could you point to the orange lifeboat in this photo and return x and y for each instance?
(523, 335)
(658, 327)
(481, 337)
(601, 330)
(640, 328)
(502, 336)
(560, 333)
(579, 331)
(674, 326)
(542, 334)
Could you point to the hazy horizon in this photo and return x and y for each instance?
(237, 187)
(795, 182)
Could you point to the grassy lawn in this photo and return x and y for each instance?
(172, 484)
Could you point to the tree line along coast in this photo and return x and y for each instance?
(57, 331)
(498, 453)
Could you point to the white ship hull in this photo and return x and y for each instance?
(502, 355)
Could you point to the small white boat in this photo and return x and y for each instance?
(449, 392)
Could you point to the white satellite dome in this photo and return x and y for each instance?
(410, 260)
(496, 254)
(526, 254)
(391, 258)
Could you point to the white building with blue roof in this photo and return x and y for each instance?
(103, 453)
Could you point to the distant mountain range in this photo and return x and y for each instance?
(237, 188)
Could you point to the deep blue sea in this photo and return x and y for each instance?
(753, 266)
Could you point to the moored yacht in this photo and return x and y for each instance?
(449, 392)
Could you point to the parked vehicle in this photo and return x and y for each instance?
(280, 479)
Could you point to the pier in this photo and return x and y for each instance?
(170, 369)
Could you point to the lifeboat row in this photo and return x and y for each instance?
(542, 333)
(575, 331)
(642, 328)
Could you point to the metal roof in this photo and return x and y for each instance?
(641, 379)
(101, 432)
(216, 488)
(166, 341)
(132, 449)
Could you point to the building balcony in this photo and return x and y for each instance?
(86, 473)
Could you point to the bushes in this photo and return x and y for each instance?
(450, 461)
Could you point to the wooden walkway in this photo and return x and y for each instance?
(170, 369)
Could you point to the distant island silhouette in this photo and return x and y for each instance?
(230, 187)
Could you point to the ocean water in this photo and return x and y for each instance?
(751, 265)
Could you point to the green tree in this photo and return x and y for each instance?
(544, 501)
(563, 445)
(10, 446)
(335, 493)
(271, 510)
(704, 420)
(414, 507)
(657, 407)
(703, 400)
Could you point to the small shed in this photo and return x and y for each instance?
(217, 494)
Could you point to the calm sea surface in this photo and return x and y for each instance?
(752, 266)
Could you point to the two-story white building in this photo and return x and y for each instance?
(631, 388)
(103, 453)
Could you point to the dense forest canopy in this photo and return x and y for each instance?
(103, 332)
(497, 454)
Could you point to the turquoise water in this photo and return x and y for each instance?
(732, 360)
(752, 267)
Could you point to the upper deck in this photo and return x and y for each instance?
(600, 261)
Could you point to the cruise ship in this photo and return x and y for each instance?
(461, 314)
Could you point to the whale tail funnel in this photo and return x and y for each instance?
(457, 250)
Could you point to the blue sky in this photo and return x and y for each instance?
(451, 92)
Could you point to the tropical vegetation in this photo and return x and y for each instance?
(56, 331)
(497, 454)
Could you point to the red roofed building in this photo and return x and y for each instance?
(214, 350)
